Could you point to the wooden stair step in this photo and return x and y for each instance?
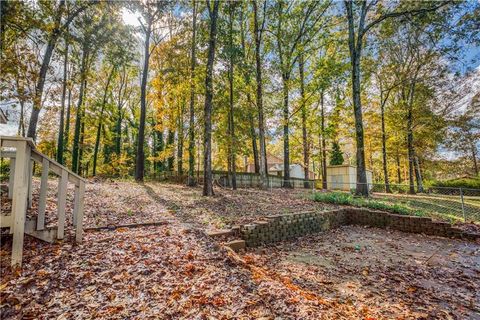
(48, 234)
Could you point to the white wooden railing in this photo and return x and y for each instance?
(22, 153)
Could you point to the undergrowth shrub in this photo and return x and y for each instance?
(343, 198)
(4, 169)
(469, 183)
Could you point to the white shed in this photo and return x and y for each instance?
(344, 177)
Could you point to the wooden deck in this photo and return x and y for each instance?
(22, 154)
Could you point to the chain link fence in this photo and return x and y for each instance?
(461, 204)
(453, 204)
(446, 203)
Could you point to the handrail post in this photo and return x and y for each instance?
(78, 210)
(19, 203)
(43, 195)
(62, 200)
(11, 178)
(29, 181)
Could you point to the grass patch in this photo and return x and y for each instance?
(342, 198)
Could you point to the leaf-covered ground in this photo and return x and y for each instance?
(389, 274)
(173, 271)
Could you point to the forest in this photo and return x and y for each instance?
(144, 88)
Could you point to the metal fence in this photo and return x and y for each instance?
(454, 204)
(446, 203)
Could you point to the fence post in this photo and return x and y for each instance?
(463, 206)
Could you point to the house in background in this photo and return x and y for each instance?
(275, 167)
(8, 127)
(344, 177)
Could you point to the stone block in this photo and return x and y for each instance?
(236, 245)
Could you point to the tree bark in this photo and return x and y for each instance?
(171, 158)
(399, 171)
(286, 143)
(140, 156)
(384, 144)
(324, 147)
(191, 127)
(258, 30)
(410, 147)
(306, 164)
(180, 140)
(474, 157)
(253, 135)
(78, 117)
(67, 121)
(82, 140)
(119, 116)
(231, 124)
(100, 120)
(52, 40)
(62, 109)
(37, 100)
(207, 159)
(418, 175)
(355, 48)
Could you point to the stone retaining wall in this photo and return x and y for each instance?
(290, 226)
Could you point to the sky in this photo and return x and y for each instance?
(130, 17)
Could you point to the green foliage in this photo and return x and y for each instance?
(336, 157)
(4, 170)
(470, 183)
(342, 198)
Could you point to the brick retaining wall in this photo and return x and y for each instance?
(290, 226)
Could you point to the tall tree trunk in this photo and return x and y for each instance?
(231, 124)
(191, 126)
(82, 141)
(159, 146)
(258, 30)
(324, 147)
(286, 143)
(62, 110)
(362, 188)
(79, 113)
(180, 140)
(207, 159)
(21, 121)
(119, 116)
(67, 121)
(306, 164)
(355, 48)
(384, 145)
(418, 175)
(253, 135)
(100, 121)
(118, 131)
(37, 100)
(474, 157)
(410, 148)
(171, 158)
(399, 171)
(140, 156)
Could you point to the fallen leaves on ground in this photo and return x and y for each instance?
(174, 271)
(391, 275)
